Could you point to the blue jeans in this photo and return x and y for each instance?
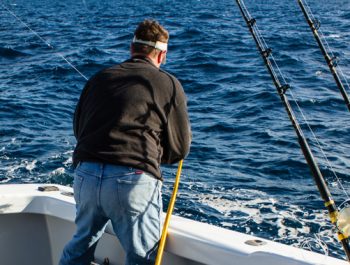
(130, 198)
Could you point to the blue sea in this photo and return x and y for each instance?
(245, 171)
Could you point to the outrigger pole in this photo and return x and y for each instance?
(331, 61)
(281, 89)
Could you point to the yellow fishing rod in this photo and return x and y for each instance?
(168, 215)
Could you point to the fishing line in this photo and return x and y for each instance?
(279, 73)
(315, 243)
(43, 40)
(319, 145)
(310, 129)
(326, 50)
(318, 27)
(326, 42)
(282, 88)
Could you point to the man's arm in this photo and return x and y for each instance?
(179, 136)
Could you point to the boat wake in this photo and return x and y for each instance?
(258, 214)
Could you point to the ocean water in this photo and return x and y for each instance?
(245, 171)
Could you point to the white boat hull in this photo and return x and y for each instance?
(35, 226)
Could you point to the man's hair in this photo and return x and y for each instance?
(149, 30)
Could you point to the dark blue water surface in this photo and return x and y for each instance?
(245, 171)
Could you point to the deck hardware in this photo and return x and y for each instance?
(255, 242)
(334, 61)
(266, 53)
(284, 88)
(67, 193)
(252, 21)
(48, 188)
(316, 23)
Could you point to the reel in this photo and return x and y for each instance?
(343, 220)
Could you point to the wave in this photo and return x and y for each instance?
(9, 53)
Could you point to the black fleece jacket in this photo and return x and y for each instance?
(132, 114)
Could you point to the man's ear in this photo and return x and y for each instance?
(161, 57)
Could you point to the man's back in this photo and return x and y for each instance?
(125, 116)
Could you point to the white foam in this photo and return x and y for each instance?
(334, 36)
(4, 157)
(319, 73)
(58, 171)
(13, 141)
(259, 208)
(30, 165)
(226, 224)
(69, 161)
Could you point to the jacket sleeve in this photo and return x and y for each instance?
(76, 121)
(178, 131)
(77, 112)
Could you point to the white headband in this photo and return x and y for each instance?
(158, 45)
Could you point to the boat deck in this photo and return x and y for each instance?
(35, 226)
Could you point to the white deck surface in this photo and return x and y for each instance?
(47, 217)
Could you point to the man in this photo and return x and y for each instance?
(130, 118)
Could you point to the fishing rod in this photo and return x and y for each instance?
(163, 238)
(282, 88)
(331, 61)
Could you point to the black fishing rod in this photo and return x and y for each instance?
(331, 61)
(266, 54)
